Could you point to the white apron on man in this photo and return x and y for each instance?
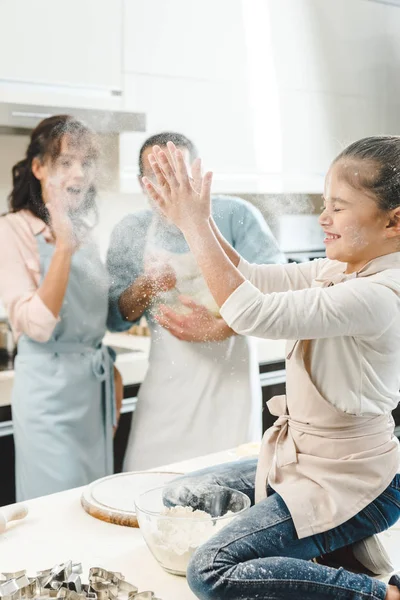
(197, 397)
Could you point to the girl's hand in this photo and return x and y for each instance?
(183, 200)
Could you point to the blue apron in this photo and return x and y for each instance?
(63, 400)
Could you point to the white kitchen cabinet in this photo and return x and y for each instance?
(214, 114)
(333, 46)
(317, 126)
(61, 49)
(198, 39)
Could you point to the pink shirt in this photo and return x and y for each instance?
(20, 275)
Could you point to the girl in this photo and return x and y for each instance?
(327, 475)
(54, 287)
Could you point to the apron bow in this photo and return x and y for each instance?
(285, 449)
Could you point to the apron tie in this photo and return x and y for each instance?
(103, 360)
(280, 434)
(285, 449)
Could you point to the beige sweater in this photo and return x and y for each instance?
(355, 359)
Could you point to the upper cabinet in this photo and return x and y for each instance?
(214, 114)
(185, 65)
(61, 54)
(184, 38)
(330, 46)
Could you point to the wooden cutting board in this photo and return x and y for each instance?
(112, 499)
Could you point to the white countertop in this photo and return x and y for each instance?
(58, 529)
(133, 366)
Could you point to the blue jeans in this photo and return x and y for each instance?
(260, 556)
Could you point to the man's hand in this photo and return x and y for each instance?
(140, 294)
(198, 326)
(160, 278)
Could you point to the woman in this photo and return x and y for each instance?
(327, 475)
(55, 287)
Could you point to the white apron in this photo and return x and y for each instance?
(197, 398)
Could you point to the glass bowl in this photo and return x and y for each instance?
(173, 530)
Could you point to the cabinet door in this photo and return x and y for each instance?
(200, 39)
(215, 115)
(74, 43)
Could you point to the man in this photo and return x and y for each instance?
(202, 392)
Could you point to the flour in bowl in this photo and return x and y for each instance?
(174, 540)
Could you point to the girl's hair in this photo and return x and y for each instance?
(373, 164)
(45, 143)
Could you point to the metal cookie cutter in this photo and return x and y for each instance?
(97, 576)
(16, 588)
(144, 596)
(63, 582)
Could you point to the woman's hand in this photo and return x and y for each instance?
(183, 200)
(60, 222)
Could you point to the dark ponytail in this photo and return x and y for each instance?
(45, 143)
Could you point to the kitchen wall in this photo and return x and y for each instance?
(12, 149)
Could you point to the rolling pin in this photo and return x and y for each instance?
(14, 512)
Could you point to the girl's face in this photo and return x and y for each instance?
(356, 229)
(70, 174)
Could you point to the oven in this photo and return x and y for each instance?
(300, 237)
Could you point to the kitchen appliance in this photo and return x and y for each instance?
(300, 237)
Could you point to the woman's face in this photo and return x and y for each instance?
(70, 175)
(356, 229)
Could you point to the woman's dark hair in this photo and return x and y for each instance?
(380, 173)
(161, 139)
(45, 143)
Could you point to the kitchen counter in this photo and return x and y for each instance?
(57, 529)
(133, 365)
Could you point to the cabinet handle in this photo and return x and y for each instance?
(30, 115)
(6, 428)
(128, 405)
(273, 378)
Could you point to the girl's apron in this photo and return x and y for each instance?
(63, 398)
(197, 397)
(326, 464)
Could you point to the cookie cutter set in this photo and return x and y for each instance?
(64, 581)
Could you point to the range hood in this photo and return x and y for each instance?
(22, 118)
